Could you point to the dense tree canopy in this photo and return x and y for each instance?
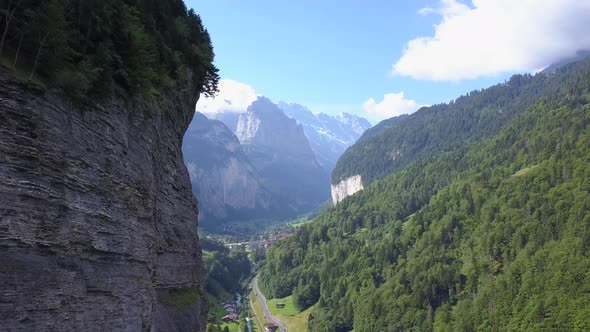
(491, 235)
(226, 269)
(97, 46)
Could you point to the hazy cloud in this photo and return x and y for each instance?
(233, 96)
(426, 11)
(489, 37)
(393, 104)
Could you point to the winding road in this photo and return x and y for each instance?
(270, 318)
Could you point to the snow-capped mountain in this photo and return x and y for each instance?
(328, 135)
(279, 150)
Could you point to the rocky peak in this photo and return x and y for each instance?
(265, 125)
(222, 177)
(328, 135)
(279, 150)
(300, 113)
(348, 128)
(355, 123)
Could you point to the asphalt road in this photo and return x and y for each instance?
(270, 318)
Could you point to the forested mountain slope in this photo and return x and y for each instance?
(397, 142)
(490, 236)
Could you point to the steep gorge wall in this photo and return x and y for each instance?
(233, 185)
(222, 177)
(97, 220)
(345, 188)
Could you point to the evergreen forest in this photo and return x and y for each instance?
(492, 233)
(95, 48)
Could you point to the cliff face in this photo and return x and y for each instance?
(265, 125)
(277, 147)
(97, 219)
(345, 188)
(222, 177)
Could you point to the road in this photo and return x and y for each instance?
(270, 318)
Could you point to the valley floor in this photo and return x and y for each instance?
(264, 309)
(292, 318)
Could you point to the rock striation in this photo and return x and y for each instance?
(97, 219)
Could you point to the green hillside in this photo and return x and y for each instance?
(397, 142)
(492, 234)
(228, 273)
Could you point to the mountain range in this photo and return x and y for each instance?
(328, 135)
(268, 161)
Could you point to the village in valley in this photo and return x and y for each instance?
(237, 312)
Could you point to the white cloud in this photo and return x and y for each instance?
(426, 11)
(489, 37)
(233, 96)
(393, 104)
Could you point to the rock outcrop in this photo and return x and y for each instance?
(97, 219)
(222, 177)
(345, 188)
(265, 125)
(277, 147)
(283, 154)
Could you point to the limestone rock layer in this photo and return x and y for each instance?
(98, 226)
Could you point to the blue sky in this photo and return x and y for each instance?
(336, 55)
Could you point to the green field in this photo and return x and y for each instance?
(294, 319)
(255, 327)
(233, 327)
(257, 307)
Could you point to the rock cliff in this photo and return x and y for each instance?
(345, 188)
(97, 220)
(222, 177)
(277, 147)
(281, 154)
(265, 125)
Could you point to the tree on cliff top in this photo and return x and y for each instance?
(97, 47)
